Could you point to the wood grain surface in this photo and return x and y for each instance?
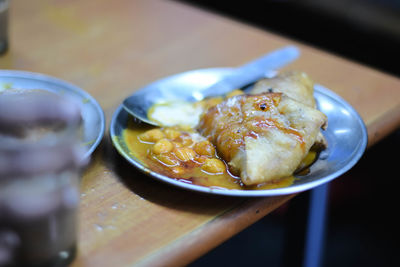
(110, 49)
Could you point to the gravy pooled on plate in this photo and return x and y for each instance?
(239, 141)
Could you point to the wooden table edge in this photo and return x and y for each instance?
(218, 230)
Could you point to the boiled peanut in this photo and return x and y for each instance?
(204, 148)
(152, 135)
(162, 146)
(184, 153)
(214, 166)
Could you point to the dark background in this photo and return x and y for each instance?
(367, 31)
(362, 221)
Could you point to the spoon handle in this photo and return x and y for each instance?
(251, 71)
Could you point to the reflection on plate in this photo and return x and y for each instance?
(346, 136)
(92, 114)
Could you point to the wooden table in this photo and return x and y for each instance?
(111, 48)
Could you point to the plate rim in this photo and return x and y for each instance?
(238, 192)
(68, 86)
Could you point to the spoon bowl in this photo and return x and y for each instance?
(174, 88)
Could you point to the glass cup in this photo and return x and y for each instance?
(4, 6)
(39, 196)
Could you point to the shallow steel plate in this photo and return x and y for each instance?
(346, 136)
(92, 114)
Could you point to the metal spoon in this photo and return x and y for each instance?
(171, 89)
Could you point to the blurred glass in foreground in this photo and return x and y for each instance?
(40, 163)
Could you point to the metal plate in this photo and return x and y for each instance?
(346, 136)
(92, 114)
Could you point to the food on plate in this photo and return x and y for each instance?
(181, 149)
(175, 113)
(183, 154)
(295, 84)
(262, 137)
(185, 114)
(237, 141)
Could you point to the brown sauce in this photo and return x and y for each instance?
(191, 171)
